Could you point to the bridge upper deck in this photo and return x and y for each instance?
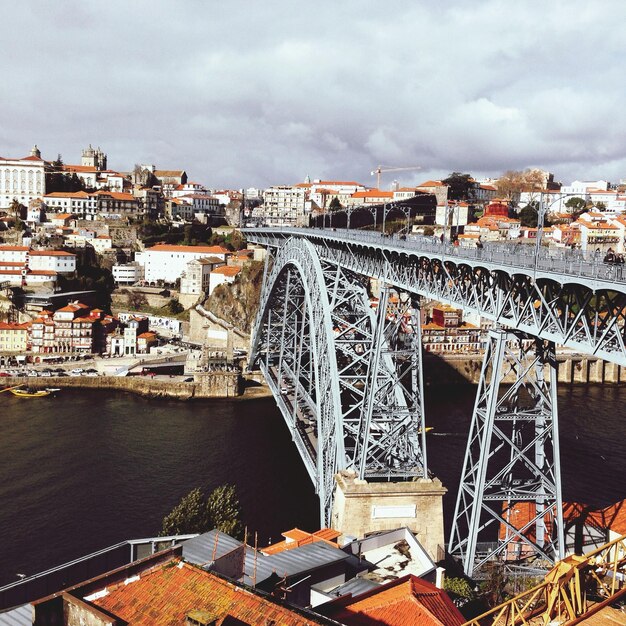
(563, 265)
(558, 295)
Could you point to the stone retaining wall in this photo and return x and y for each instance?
(208, 385)
(579, 369)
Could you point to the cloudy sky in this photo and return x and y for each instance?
(247, 93)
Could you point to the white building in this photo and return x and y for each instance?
(283, 205)
(221, 275)
(452, 215)
(127, 274)
(198, 204)
(195, 279)
(22, 179)
(165, 262)
(80, 203)
(52, 260)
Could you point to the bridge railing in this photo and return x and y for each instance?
(511, 254)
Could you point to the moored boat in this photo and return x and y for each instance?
(30, 393)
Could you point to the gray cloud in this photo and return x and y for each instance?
(244, 93)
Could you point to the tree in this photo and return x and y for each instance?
(225, 511)
(335, 205)
(175, 307)
(528, 216)
(190, 515)
(517, 181)
(197, 514)
(459, 186)
(136, 300)
(577, 206)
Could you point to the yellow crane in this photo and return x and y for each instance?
(385, 168)
(576, 588)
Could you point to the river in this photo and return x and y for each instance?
(88, 469)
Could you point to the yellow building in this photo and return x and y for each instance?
(13, 337)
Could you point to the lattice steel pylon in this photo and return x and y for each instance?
(346, 374)
(511, 482)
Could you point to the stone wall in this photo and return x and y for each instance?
(207, 385)
(572, 369)
(361, 507)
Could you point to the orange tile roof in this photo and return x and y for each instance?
(67, 194)
(295, 538)
(227, 270)
(165, 595)
(117, 195)
(146, 336)
(373, 193)
(165, 247)
(408, 600)
(14, 248)
(432, 183)
(79, 168)
(338, 182)
(50, 253)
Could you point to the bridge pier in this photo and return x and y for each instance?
(511, 480)
(361, 507)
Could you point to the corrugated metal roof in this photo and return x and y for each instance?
(304, 559)
(199, 550)
(356, 587)
(21, 616)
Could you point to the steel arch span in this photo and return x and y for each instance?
(345, 369)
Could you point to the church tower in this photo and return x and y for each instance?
(94, 157)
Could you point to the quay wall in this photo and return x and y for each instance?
(572, 369)
(205, 385)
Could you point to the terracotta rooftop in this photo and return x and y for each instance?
(164, 247)
(227, 270)
(166, 595)
(408, 600)
(295, 538)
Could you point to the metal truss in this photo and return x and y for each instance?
(511, 482)
(558, 303)
(568, 591)
(346, 375)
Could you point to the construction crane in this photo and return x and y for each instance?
(385, 168)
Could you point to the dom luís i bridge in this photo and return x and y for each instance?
(346, 371)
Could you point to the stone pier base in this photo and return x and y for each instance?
(361, 507)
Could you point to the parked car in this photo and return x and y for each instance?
(76, 371)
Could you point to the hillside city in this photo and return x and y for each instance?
(143, 280)
(94, 261)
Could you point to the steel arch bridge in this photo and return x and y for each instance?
(347, 375)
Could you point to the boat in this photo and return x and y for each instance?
(30, 393)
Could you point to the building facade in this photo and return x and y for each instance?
(22, 179)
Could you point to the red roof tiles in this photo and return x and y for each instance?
(408, 600)
(167, 594)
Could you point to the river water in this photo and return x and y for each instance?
(88, 469)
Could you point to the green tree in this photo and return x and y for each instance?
(225, 511)
(528, 215)
(136, 300)
(190, 515)
(459, 186)
(576, 204)
(197, 514)
(174, 306)
(335, 205)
